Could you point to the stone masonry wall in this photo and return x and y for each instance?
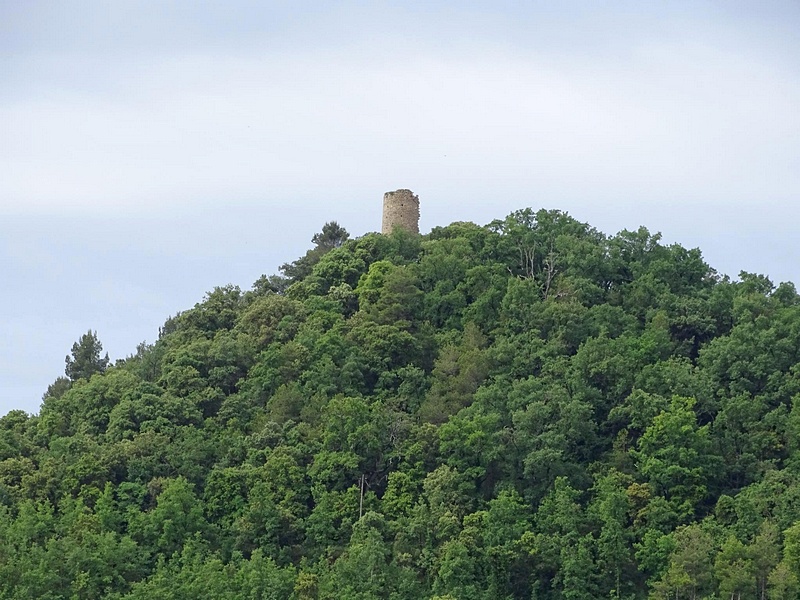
(400, 209)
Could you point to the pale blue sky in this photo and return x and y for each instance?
(150, 151)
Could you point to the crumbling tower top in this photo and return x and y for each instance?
(400, 209)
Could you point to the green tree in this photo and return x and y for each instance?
(689, 575)
(675, 456)
(765, 553)
(735, 570)
(791, 547)
(332, 236)
(783, 583)
(577, 574)
(458, 372)
(363, 572)
(612, 507)
(85, 360)
(178, 515)
(57, 389)
(491, 413)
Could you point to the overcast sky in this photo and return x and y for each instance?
(150, 151)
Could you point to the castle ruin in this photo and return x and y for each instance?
(400, 209)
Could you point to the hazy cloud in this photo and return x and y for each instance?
(150, 154)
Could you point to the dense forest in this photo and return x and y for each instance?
(530, 409)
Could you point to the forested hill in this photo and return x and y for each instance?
(530, 409)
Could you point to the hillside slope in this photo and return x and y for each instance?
(530, 409)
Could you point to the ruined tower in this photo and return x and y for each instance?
(400, 209)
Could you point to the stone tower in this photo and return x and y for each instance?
(400, 209)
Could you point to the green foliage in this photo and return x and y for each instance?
(529, 409)
(674, 456)
(332, 236)
(85, 359)
(690, 571)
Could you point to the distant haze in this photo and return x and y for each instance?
(149, 152)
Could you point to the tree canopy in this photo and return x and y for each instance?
(530, 409)
(85, 360)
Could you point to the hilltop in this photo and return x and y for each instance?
(527, 409)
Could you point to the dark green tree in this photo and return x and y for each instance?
(525, 410)
(86, 360)
(332, 236)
